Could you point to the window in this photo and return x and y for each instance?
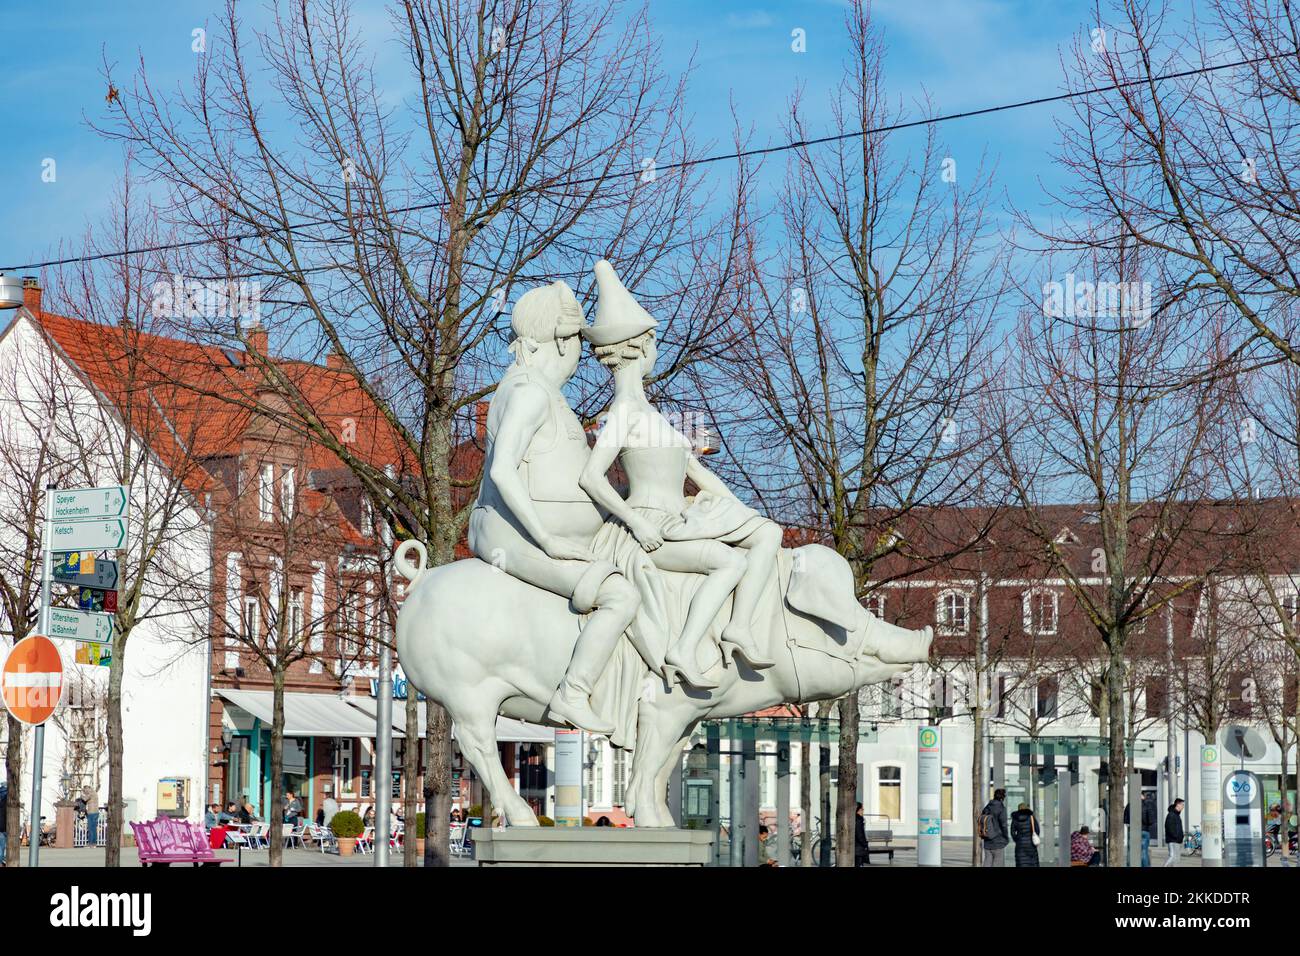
(296, 629)
(941, 698)
(1049, 697)
(1290, 606)
(252, 620)
(953, 612)
(1003, 685)
(1040, 611)
(620, 777)
(288, 488)
(367, 518)
(596, 777)
(1157, 696)
(876, 604)
(889, 791)
(266, 492)
(891, 698)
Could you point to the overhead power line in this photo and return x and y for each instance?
(296, 228)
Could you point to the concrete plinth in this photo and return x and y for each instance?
(592, 846)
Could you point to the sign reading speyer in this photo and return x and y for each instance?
(94, 535)
(80, 625)
(80, 504)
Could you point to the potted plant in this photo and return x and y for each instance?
(419, 834)
(347, 826)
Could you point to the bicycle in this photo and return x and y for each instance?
(1192, 842)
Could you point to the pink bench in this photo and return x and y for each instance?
(165, 841)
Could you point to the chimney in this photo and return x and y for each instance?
(257, 339)
(480, 421)
(32, 295)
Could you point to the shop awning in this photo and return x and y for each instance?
(508, 730)
(305, 715)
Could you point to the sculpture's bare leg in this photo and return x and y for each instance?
(724, 567)
(476, 731)
(761, 546)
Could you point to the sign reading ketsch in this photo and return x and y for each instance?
(80, 625)
(95, 535)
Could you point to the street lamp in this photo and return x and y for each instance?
(11, 292)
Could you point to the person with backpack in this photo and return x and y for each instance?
(993, 829)
(1027, 834)
(1174, 831)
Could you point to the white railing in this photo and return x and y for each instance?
(80, 831)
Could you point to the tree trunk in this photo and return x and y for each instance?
(824, 789)
(14, 778)
(411, 771)
(116, 805)
(437, 787)
(847, 796)
(275, 812)
(1116, 781)
(805, 801)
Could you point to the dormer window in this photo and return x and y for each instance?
(875, 604)
(952, 612)
(1066, 536)
(1039, 611)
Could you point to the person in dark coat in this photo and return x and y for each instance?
(1174, 831)
(860, 846)
(1023, 827)
(994, 831)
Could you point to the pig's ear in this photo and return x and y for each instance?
(821, 586)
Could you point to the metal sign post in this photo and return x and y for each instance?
(38, 745)
(1211, 808)
(929, 797)
(384, 757)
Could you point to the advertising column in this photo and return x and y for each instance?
(1211, 808)
(568, 778)
(929, 796)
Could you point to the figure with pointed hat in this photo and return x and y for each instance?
(715, 535)
(531, 519)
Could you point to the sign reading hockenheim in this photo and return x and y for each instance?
(79, 504)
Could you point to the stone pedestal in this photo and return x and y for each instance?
(592, 846)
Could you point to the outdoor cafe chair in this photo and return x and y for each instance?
(458, 846)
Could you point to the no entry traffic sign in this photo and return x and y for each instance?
(31, 681)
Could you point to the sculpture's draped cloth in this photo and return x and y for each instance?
(665, 601)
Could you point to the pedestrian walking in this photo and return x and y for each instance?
(1148, 821)
(1027, 835)
(861, 848)
(993, 829)
(1174, 831)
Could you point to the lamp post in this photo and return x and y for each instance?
(11, 292)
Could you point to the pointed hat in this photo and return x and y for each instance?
(619, 317)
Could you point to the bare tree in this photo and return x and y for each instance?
(860, 356)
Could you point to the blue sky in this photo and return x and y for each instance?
(965, 53)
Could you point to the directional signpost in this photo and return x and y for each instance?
(78, 522)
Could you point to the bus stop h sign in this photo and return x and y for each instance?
(31, 681)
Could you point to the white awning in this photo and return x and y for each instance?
(508, 730)
(305, 715)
